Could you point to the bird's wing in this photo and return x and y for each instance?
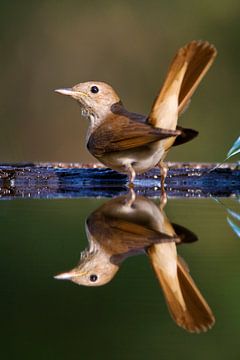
(185, 73)
(135, 235)
(119, 133)
(119, 236)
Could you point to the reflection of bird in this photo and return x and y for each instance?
(132, 143)
(122, 227)
(130, 225)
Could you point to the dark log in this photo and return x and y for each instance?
(64, 180)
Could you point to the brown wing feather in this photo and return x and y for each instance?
(139, 232)
(119, 236)
(186, 304)
(185, 136)
(199, 56)
(200, 60)
(199, 316)
(165, 107)
(125, 134)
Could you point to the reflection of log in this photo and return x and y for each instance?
(51, 180)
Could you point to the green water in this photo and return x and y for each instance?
(43, 318)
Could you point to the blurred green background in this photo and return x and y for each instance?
(50, 44)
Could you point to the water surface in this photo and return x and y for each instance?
(43, 318)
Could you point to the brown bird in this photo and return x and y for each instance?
(131, 225)
(120, 228)
(132, 143)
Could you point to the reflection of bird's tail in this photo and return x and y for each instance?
(185, 302)
(185, 73)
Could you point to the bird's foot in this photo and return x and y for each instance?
(131, 185)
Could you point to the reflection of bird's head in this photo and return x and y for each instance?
(94, 269)
(95, 97)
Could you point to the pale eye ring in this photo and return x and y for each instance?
(94, 89)
(93, 278)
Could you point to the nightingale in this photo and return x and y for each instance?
(131, 225)
(132, 143)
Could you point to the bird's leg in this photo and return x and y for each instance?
(163, 200)
(130, 198)
(131, 175)
(163, 172)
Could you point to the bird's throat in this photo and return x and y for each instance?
(94, 122)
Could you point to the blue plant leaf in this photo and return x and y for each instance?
(234, 214)
(234, 227)
(235, 149)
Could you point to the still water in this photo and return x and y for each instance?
(45, 318)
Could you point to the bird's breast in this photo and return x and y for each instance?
(141, 159)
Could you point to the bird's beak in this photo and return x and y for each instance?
(70, 92)
(66, 91)
(69, 275)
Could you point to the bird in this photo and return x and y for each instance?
(131, 225)
(117, 230)
(132, 143)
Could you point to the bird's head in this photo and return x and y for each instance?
(94, 269)
(95, 98)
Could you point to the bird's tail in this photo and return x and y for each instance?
(186, 304)
(185, 73)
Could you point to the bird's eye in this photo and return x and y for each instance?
(93, 278)
(94, 89)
